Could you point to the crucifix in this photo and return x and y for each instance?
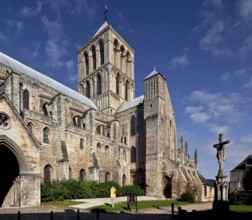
(220, 147)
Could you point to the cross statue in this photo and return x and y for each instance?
(220, 147)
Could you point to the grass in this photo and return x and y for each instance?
(241, 208)
(122, 206)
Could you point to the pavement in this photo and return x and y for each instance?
(79, 211)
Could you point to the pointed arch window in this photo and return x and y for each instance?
(88, 89)
(133, 125)
(99, 84)
(94, 57)
(101, 51)
(133, 154)
(77, 121)
(81, 143)
(117, 83)
(86, 63)
(127, 90)
(123, 180)
(47, 173)
(107, 177)
(26, 99)
(46, 135)
(82, 175)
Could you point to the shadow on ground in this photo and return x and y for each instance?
(211, 214)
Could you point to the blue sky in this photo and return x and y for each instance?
(203, 48)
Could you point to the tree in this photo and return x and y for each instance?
(247, 180)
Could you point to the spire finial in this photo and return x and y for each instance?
(105, 13)
(154, 68)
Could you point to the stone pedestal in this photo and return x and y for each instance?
(221, 194)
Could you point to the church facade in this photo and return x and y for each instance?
(100, 132)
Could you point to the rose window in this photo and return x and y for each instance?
(4, 121)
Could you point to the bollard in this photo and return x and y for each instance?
(78, 214)
(51, 215)
(172, 209)
(19, 215)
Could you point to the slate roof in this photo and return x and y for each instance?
(21, 68)
(153, 73)
(130, 104)
(244, 163)
(208, 182)
(104, 25)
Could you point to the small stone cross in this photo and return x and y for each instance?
(220, 147)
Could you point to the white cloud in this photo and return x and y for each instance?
(57, 42)
(247, 138)
(213, 35)
(179, 61)
(226, 76)
(246, 46)
(29, 12)
(3, 38)
(70, 65)
(197, 114)
(217, 129)
(245, 9)
(216, 111)
(16, 25)
(248, 85)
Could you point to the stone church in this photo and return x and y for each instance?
(100, 132)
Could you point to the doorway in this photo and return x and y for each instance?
(9, 170)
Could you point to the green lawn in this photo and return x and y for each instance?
(122, 206)
(141, 205)
(241, 208)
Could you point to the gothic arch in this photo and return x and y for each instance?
(128, 64)
(15, 149)
(116, 53)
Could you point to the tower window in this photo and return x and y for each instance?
(94, 57)
(117, 83)
(126, 90)
(87, 89)
(101, 51)
(87, 63)
(99, 84)
(82, 175)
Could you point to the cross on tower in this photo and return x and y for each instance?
(220, 147)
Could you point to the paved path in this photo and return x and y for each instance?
(57, 213)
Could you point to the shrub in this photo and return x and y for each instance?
(132, 189)
(187, 197)
(241, 197)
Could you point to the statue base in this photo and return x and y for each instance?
(221, 206)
